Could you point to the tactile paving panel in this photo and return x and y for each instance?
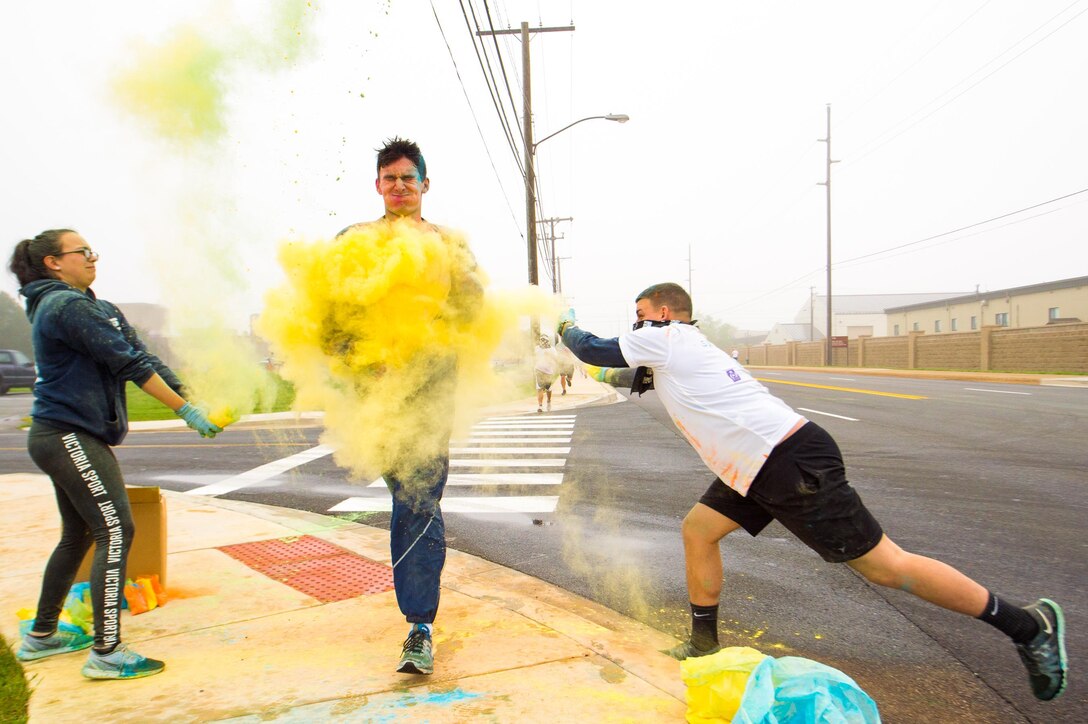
(315, 567)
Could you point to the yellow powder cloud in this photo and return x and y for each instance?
(390, 330)
(176, 87)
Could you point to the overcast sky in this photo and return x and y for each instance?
(943, 115)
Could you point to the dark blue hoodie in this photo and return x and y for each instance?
(86, 351)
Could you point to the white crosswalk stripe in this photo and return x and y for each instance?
(499, 451)
(509, 463)
(529, 434)
(508, 450)
(491, 479)
(517, 504)
(262, 473)
(521, 433)
(496, 440)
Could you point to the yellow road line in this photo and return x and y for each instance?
(846, 389)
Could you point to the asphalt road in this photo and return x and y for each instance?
(988, 478)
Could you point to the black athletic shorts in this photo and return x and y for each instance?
(803, 486)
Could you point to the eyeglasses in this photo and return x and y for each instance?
(409, 180)
(85, 251)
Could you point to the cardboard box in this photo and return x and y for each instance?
(148, 552)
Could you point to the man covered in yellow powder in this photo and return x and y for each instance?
(417, 532)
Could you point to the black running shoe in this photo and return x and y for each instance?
(689, 650)
(1044, 655)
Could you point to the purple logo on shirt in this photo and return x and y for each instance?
(733, 375)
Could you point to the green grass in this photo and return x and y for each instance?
(142, 406)
(14, 688)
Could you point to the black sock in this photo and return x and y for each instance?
(1013, 621)
(106, 651)
(704, 626)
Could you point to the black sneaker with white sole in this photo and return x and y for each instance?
(1044, 655)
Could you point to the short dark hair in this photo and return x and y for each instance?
(397, 148)
(28, 260)
(667, 294)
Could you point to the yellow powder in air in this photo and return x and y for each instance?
(389, 329)
(176, 87)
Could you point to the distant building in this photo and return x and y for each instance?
(149, 319)
(1034, 305)
(783, 332)
(152, 323)
(854, 315)
(748, 337)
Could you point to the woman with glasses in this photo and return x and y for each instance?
(86, 352)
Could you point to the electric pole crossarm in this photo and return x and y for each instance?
(517, 31)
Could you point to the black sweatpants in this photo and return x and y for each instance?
(93, 508)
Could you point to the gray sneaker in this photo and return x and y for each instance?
(1044, 655)
(121, 663)
(59, 642)
(689, 650)
(417, 657)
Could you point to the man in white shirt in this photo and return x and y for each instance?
(545, 367)
(770, 463)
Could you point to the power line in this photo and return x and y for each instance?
(859, 157)
(500, 109)
(502, 66)
(965, 236)
(913, 65)
(963, 228)
(483, 140)
(903, 246)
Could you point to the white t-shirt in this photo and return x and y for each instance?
(730, 419)
(544, 360)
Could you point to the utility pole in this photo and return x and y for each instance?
(527, 130)
(559, 272)
(827, 183)
(811, 313)
(689, 275)
(550, 237)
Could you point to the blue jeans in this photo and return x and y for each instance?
(417, 539)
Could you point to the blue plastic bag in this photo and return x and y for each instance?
(794, 689)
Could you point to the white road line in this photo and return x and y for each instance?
(262, 473)
(508, 450)
(829, 414)
(531, 419)
(509, 463)
(495, 440)
(464, 479)
(523, 504)
(844, 379)
(528, 433)
(1000, 392)
(523, 426)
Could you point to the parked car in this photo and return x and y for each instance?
(16, 370)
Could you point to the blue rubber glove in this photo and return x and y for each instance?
(566, 319)
(197, 420)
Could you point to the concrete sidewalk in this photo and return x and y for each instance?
(317, 636)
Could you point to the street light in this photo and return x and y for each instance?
(617, 117)
(530, 183)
